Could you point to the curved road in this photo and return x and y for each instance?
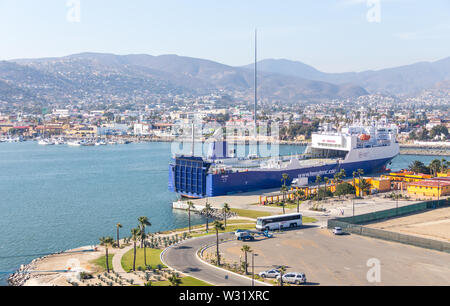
(182, 257)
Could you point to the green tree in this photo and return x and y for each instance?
(107, 242)
(318, 180)
(135, 232)
(118, 227)
(435, 166)
(218, 226)
(191, 206)
(143, 223)
(225, 210)
(299, 194)
(418, 167)
(207, 211)
(282, 270)
(174, 280)
(246, 249)
(365, 186)
(326, 180)
(344, 189)
(360, 172)
(284, 179)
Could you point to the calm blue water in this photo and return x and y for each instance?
(56, 198)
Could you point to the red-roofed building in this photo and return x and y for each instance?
(430, 188)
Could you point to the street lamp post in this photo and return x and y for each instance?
(253, 269)
(396, 202)
(353, 204)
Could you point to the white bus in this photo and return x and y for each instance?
(279, 222)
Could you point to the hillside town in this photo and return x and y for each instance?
(419, 122)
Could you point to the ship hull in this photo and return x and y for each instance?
(238, 182)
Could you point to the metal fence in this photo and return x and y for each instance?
(354, 225)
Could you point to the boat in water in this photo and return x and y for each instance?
(74, 143)
(45, 142)
(358, 147)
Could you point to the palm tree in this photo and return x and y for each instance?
(435, 166)
(246, 249)
(299, 194)
(174, 280)
(326, 180)
(143, 222)
(365, 186)
(226, 209)
(206, 211)
(354, 181)
(282, 270)
(444, 165)
(283, 205)
(318, 180)
(118, 226)
(106, 242)
(218, 226)
(418, 167)
(135, 232)
(285, 177)
(360, 172)
(190, 205)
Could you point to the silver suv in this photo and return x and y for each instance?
(270, 274)
(294, 278)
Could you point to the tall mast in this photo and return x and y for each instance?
(256, 80)
(193, 139)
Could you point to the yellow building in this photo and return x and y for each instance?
(431, 188)
(376, 184)
(406, 176)
(80, 131)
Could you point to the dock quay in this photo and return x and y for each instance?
(425, 151)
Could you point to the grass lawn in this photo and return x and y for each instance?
(287, 206)
(153, 259)
(101, 262)
(309, 219)
(185, 282)
(230, 228)
(254, 214)
(196, 227)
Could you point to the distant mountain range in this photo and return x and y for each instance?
(404, 80)
(108, 77)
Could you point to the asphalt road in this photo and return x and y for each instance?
(345, 260)
(182, 257)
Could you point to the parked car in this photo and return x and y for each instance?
(293, 278)
(244, 236)
(270, 273)
(338, 231)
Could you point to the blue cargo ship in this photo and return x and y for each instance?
(357, 147)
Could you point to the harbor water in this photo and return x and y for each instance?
(54, 198)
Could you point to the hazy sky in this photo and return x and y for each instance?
(333, 36)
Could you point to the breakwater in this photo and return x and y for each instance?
(425, 151)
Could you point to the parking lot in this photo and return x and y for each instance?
(342, 260)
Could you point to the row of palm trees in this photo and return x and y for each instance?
(338, 178)
(137, 233)
(206, 211)
(247, 250)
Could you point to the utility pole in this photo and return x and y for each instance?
(193, 139)
(256, 82)
(253, 268)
